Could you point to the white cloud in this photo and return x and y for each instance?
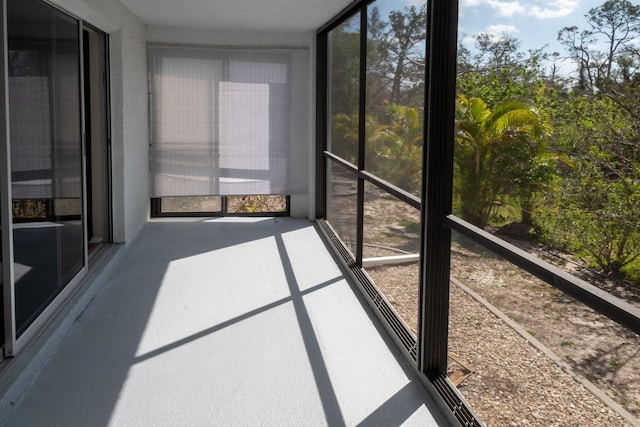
(541, 9)
(494, 32)
(493, 36)
(468, 41)
(555, 9)
(506, 8)
(416, 3)
(464, 4)
(501, 29)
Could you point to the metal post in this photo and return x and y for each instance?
(5, 195)
(437, 185)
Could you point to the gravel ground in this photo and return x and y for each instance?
(594, 346)
(512, 383)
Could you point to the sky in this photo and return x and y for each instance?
(534, 22)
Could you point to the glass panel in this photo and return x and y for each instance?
(502, 366)
(191, 204)
(46, 154)
(343, 90)
(391, 250)
(342, 196)
(256, 204)
(395, 93)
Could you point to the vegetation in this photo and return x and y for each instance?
(556, 153)
(583, 191)
(499, 152)
(256, 204)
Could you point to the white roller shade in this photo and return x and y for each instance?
(228, 122)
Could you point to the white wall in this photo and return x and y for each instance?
(302, 205)
(129, 108)
(129, 119)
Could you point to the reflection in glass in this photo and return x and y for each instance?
(391, 250)
(46, 154)
(342, 195)
(395, 93)
(344, 82)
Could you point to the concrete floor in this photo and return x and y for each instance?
(232, 321)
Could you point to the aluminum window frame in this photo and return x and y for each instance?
(157, 212)
(437, 219)
(430, 357)
(14, 344)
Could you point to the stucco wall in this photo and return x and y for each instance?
(129, 119)
(302, 205)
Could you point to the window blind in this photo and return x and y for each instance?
(228, 121)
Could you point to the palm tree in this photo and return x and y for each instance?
(498, 152)
(395, 150)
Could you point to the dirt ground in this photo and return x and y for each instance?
(599, 349)
(512, 383)
(505, 368)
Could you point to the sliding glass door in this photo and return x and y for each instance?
(55, 176)
(46, 154)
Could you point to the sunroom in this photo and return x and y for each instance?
(239, 213)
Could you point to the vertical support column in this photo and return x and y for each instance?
(105, 91)
(5, 194)
(362, 111)
(437, 185)
(83, 146)
(322, 60)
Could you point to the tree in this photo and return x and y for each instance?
(344, 75)
(599, 197)
(395, 56)
(397, 148)
(597, 200)
(498, 71)
(488, 145)
(393, 145)
(407, 31)
(619, 22)
(616, 23)
(344, 71)
(578, 44)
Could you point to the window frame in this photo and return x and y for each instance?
(16, 339)
(429, 356)
(437, 219)
(157, 212)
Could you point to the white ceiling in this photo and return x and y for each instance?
(258, 15)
